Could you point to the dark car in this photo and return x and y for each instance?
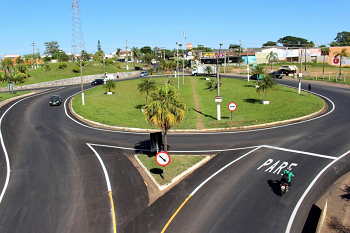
(138, 68)
(55, 100)
(277, 74)
(97, 81)
(255, 76)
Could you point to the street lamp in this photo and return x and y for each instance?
(177, 55)
(218, 98)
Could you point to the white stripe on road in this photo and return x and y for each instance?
(301, 152)
(296, 208)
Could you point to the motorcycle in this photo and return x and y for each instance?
(284, 188)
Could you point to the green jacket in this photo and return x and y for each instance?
(289, 173)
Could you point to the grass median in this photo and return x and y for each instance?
(123, 108)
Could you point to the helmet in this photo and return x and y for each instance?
(289, 168)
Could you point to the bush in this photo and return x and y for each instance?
(109, 86)
(47, 67)
(118, 65)
(19, 77)
(76, 69)
(62, 65)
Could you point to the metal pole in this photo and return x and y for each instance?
(177, 55)
(305, 61)
(127, 57)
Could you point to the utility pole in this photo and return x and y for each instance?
(127, 57)
(33, 44)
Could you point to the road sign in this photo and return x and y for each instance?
(163, 158)
(232, 106)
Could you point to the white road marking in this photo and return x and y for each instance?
(296, 208)
(301, 152)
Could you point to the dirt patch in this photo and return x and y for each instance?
(200, 124)
(338, 210)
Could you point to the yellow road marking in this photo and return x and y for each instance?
(177, 211)
(113, 213)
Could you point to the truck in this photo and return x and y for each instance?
(288, 70)
(201, 70)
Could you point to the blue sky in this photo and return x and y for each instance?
(161, 23)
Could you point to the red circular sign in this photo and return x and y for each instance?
(189, 46)
(336, 60)
(232, 106)
(162, 158)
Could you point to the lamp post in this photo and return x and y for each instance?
(218, 98)
(247, 67)
(177, 55)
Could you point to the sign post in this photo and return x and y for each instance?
(232, 107)
(162, 159)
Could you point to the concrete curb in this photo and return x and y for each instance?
(175, 179)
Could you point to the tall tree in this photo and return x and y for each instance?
(19, 60)
(165, 110)
(342, 39)
(266, 84)
(341, 54)
(51, 47)
(270, 43)
(147, 85)
(292, 41)
(148, 58)
(7, 65)
(135, 54)
(272, 57)
(146, 49)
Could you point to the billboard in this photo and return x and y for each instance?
(212, 55)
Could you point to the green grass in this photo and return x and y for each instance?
(41, 75)
(177, 165)
(6, 95)
(123, 108)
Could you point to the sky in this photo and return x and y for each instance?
(161, 23)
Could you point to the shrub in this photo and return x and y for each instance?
(109, 86)
(76, 69)
(62, 65)
(47, 67)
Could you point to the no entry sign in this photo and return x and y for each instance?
(232, 106)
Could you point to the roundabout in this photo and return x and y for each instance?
(51, 155)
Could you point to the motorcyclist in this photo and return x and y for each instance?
(287, 176)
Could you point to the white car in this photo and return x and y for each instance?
(144, 73)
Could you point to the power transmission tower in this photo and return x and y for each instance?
(77, 32)
(77, 40)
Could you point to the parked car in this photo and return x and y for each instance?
(55, 100)
(144, 73)
(138, 68)
(97, 81)
(277, 74)
(255, 76)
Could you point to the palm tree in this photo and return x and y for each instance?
(272, 57)
(165, 111)
(147, 85)
(268, 83)
(208, 70)
(259, 70)
(7, 65)
(109, 86)
(341, 54)
(135, 54)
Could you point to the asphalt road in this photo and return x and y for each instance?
(58, 182)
